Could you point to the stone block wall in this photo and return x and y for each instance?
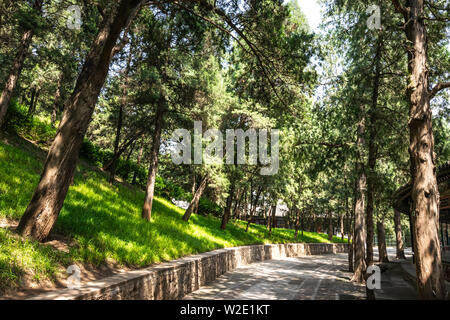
(175, 279)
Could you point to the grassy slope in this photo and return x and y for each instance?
(104, 222)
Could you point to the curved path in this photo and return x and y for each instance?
(313, 277)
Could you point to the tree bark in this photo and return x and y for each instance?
(253, 207)
(112, 168)
(122, 149)
(236, 204)
(16, 69)
(193, 182)
(314, 223)
(227, 212)
(350, 232)
(424, 191)
(360, 232)
(303, 221)
(398, 235)
(139, 159)
(371, 179)
(122, 105)
(154, 153)
(48, 198)
(297, 222)
(269, 214)
(57, 101)
(351, 245)
(272, 219)
(195, 199)
(249, 210)
(34, 91)
(383, 256)
(330, 225)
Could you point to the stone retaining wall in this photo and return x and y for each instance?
(175, 279)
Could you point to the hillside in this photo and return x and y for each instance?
(100, 225)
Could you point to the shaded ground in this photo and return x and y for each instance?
(395, 284)
(321, 277)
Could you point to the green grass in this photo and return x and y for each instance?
(104, 222)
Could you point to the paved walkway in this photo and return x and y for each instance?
(321, 277)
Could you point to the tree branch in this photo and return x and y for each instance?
(401, 9)
(440, 86)
(257, 53)
(118, 47)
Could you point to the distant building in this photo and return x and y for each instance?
(281, 216)
(402, 203)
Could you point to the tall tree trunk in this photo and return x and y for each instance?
(48, 198)
(297, 222)
(139, 159)
(227, 212)
(57, 101)
(398, 235)
(127, 160)
(350, 244)
(381, 235)
(253, 207)
(31, 103)
(314, 222)
(371, 179)
(350, 231)
(273, 210)
(424, 191)
(195, 209)
(122, 105)
(112, 168)
(193, 181)
(236, 204)
(330, 225)
(154, 153)
(34, 99)
(16, 67)
(122, 149)
(195, 199)
(269, 214)
(341, 223)
(249, 211)
(360, 232)
(303, 221)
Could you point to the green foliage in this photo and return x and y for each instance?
(94, 154)
(207, 207)
(28, 18)
(27, 126)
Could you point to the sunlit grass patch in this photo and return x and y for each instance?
(19, 257)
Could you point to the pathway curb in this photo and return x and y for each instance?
(174, 279)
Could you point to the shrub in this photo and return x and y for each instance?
(92, 153)
(206, 207)
(16, 117)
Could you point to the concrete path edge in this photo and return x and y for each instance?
(174, 279)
